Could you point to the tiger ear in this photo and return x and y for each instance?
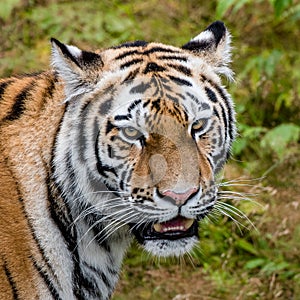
(213, 45)
(80, 70)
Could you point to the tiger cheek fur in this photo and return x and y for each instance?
(109, 145)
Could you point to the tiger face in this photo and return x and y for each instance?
(147, 128)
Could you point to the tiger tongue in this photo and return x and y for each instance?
(176, 224)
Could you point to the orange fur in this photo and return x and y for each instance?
(16, 238)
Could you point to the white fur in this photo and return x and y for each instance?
(166, 248)
(204, 36)
(69, 71)
(222, 52)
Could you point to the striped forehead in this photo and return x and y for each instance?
(148, 97)
(152, 57)
(141, 58)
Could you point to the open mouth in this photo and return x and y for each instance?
(173, 229)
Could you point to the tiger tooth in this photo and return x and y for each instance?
(188, 223)
(157, 227)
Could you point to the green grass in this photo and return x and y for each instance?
(230, 263)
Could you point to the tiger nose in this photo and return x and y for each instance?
(180, 198)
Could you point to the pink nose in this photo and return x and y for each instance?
(180, 198)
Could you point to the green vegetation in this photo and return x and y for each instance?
(234, 260)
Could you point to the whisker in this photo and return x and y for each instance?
(230, 208)
(214, 214)
(110, 229)
(245, 195)
(190, 258)
(86, 195)
(240, 179)
(98, 207)
(236, 198)
(238, 224)
(103, 220)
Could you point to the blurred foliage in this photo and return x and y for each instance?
(261, 264)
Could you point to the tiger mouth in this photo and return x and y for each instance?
(173, 229)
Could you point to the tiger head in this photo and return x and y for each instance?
(147, 127)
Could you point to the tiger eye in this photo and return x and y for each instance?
(198, 125)
(131, 133)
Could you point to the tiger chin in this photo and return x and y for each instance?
(105, 146)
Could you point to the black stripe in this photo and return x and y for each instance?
(128, 53)
(226, 102)
(48, 92)
(105, 280)
(109, 127)
(110, 270)
(179, 112)
(159, 91)
(211, 95)
(105, 106)
(173, 98)
(160, 49)
(81, 126)
(123, 179)
(153, 67)
(140, 88)
(181, 96)
(130, 63)
(133, 105)
(230, 113)
(225, 120)
(173, 57)
(131, 76)
(193, 98)
(123, 117)
(11, 281)
(3, 86)
(91, 288)
(180, 81)
(19, 105)
(110, 151)
(98, 272)
(131, 44)
(102, 169)
(129, 175)
(182, 69)
(198, 45)
(156, 104)
(216, 113)
(146, 103)
(46, 279)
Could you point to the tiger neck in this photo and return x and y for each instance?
(96, 262)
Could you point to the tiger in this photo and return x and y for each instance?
(106, 147)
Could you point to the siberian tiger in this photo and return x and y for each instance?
(105, 146)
